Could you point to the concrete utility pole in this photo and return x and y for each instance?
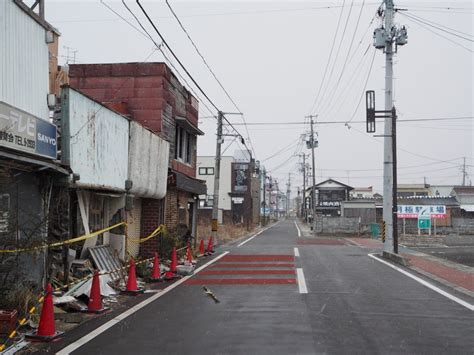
(288, 192)
(388, 156)
(217, 173)
(264, 197)
(384, 38)
(303, 206)
(313, 190)
(464, 172)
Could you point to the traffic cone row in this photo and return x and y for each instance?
(132, 287)
(171, 274)
(189, 255)
(156, 273)
(46, 329)
(95, 297)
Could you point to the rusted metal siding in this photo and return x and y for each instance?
(23, 61)
(95, 142)
(148, 163)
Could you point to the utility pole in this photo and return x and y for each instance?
(217, 173)
(384, 38)
(313, 191)
(277, 198)
(464, 172)
(388, 156)
(288, 191)
(303, 209)
(264, 197)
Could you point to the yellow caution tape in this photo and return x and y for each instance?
(64, 242)
(157, 231)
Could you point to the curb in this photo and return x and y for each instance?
(396, 258)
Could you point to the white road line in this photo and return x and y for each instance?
(255, 235)
(297, 252)
(85, 339)
(427, 284)
(301, 281)
(298, 229)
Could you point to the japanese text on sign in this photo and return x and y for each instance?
(414, 211)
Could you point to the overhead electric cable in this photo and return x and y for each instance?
(328, 61)
(342, 122)
(337, 52)
(438, 27)
(365, 87)
(158, 46)
(334, 90)
(436, 33)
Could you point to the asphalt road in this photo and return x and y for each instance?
(353, 304)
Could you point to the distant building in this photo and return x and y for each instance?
(205, 172)
(362, 192)
(412, 190)
(329, 197)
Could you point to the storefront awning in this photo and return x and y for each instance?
(40, 164)
(189, 184)
(188, 126)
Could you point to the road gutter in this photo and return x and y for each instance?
(85, 339)
(425, 283)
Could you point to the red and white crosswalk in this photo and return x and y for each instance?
(244, 269)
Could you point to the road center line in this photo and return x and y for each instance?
(301, 281)
(85, 339)
(297, 252)
(426, 284)
(298, 229)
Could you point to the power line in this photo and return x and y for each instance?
(211, 71)
(342, 122)
(282, 149)
(158, 46)
(202, 57)
(365, 87)
(328, 61)
(336, 86)
(179, 61)
(438, 26)
(338, 48)
(174, 55)
(436, 33)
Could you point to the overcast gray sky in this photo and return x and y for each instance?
(271, 57)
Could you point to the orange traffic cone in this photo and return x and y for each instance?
(155, 273)
(46, 329)
(95, 298)
(210, 247)
(132, 287)
(202, 250)
(173, 266)
(189, 255)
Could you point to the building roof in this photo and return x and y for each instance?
(45, 24)
(330, 181)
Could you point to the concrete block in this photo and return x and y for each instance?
(396, 258)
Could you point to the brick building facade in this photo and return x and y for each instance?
(150, 94)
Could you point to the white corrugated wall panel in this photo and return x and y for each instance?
(98, 143)
(23, 61)
(148, 164)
